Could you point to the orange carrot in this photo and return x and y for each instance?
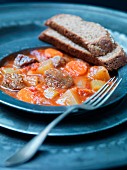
(32, 95)
(50, 52)
(76, 68)
(26, 95)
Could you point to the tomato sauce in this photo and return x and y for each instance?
(50, 77)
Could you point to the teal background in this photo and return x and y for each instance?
(114, 4)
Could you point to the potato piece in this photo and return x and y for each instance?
(97, 84)
(50, 93)
(82, 82)
(70, 97)
(9, 70)
(31, 80)
(99, 73)
(46, 65)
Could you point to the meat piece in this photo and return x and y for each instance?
(55, 78)
(58, 61)
(13, 81)
(23, 60)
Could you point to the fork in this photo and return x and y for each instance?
(94, 102)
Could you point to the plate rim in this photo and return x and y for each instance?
(31, 108)
(76, 133)
(81, 5)
(61, 108)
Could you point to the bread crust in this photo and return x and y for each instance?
(115, 62)
(100, 46)
(111, 61)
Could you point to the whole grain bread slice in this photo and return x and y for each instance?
(112, 61)
(90, 35)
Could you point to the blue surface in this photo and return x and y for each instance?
(105, 149)
(119, 4)
(20, 28)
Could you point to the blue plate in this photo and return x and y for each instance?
(22, 33)
(79, 124)
(97, 151)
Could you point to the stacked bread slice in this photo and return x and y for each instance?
(85, 40)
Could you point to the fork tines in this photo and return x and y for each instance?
(104, 93)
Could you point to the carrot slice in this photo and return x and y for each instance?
(50, 52)
(33, 95)
(76, 68)
(26, 95)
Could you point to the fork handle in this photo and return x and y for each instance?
(29, 150)
(52, 124)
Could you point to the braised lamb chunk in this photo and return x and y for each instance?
(55, 78)
(23, 60)
(13, 81)
(58, 61)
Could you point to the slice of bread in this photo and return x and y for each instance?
(95, 38)
(111, 61)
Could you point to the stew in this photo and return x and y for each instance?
(50, 77)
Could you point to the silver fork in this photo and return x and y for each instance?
(94, 102)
